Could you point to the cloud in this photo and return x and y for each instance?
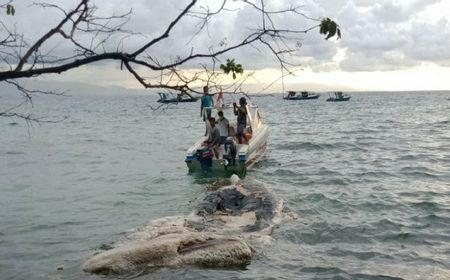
(430, 42)
(390, 35)
(385, 35)
(313, 51)
(399, 11)
(149, 19)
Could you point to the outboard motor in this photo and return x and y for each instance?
(204, 156)
(230, 152)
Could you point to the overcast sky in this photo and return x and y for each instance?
(385, 45)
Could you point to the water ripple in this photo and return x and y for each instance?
(369, 180)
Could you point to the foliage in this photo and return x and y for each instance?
(330, 28)
(232, 67)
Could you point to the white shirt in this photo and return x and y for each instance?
(222, 124)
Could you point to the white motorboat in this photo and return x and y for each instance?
(233, 157)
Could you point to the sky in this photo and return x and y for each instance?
(385, 45)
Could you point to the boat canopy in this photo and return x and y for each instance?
(162, 95)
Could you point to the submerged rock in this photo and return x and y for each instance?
(221, 232)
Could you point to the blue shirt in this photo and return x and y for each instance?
(206, 101)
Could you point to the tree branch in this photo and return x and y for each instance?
(93, 39)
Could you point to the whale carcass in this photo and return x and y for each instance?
(222, 231)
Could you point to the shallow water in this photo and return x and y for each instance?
(369, 178)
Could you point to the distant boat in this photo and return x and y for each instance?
(304, 95)
(179, 99)
(339, 96)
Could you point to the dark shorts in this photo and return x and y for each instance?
(207, 113)
(223, 139)
(240, 129)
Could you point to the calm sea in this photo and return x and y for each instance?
(369, 179)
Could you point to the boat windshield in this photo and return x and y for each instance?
(253, 116)
(162, 95)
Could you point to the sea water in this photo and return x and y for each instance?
(369, 180)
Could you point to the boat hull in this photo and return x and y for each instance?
(177, 100)
(332, 99)
(246, 156)
(302, 98)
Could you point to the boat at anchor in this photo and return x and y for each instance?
(339, 96)
(304, 95)
(180, 98)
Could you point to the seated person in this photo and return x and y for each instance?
(247, 135)
(232, 131)
(213, 141)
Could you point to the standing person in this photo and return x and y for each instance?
(205, 109)
(206, 104)
(219, 101)
(241, 113)
(213, 141)
(224, 127)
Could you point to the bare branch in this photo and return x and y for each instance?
(167, 31)
(49, 34)
(93, 38)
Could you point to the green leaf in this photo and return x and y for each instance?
(329, 28)
(232, 67)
